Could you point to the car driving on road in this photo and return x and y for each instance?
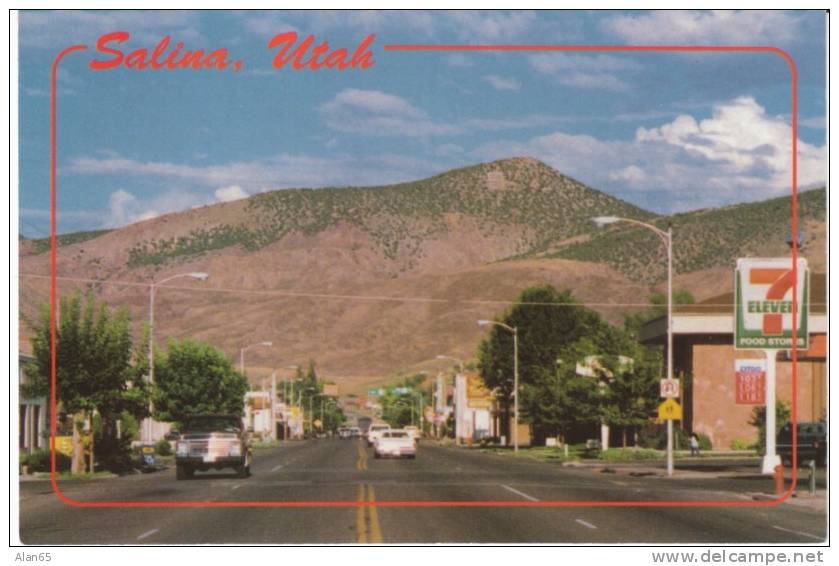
(375, 431)
(395, 443)
(212, 442)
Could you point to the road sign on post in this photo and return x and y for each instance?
(670, 410)
(669, 388)
(764, 306)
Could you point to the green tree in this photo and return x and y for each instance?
(758, 420)
(94, 371)
(658, 308)
(400, 410)
(546, 321)
(195, 378)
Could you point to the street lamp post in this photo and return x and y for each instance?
(201, 276)
(667, 238)
(245, 349)
(515, 332)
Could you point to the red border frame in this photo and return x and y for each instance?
(447, 48)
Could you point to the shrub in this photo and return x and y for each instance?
(740, 444)
(618, 454)
(163, 448)
(39, 461)
(758, 420)
(655, 437)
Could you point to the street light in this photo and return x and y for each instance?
(245, 349)
(667, 238)
(515, 332)
(201, 276)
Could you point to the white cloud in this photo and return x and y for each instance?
(58, 29)
(378, 113)
(492, 26)
(369, 21)
(267, 24)
(585, 71)
(278, 172)
(125, 208)
(231, 193)
(502, 83)
(741, 135)
(715, 27)
(815, 123)
(739, 153)
(631, 174)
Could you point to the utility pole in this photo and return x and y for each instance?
(274, 405)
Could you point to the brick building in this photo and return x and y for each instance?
(703, 350)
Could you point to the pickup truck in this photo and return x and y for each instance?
(212, 442)
(396, 443)
(811, 442)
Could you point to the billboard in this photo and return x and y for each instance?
(763, 304)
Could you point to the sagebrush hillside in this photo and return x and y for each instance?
(702, 239)
(524, 193)
(370, 281)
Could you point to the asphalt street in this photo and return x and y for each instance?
(366, 495)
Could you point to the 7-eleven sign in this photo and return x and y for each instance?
(763, 304)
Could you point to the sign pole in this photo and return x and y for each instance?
(771, 459)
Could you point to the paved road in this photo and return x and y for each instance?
(345, 471)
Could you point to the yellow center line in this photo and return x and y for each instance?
(360, 523)
(375, 530)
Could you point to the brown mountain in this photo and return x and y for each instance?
(367, 281)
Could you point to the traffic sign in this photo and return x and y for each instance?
(669, 388)
(373, 392)
(670, 410)
(763, 304)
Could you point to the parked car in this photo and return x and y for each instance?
(395, 443)
(811, 441)
(212, 442)
(355, 432)
(344, 432)
(375, 431)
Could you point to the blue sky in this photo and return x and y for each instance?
(668, 132)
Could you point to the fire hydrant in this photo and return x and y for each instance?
(779, 479)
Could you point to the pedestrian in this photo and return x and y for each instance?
(694, 445)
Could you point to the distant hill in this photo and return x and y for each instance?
(702, 239)
(542, 204)
(370, 281)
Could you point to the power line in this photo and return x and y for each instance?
(333, 296)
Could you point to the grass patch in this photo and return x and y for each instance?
(629, 454)
(67, 476)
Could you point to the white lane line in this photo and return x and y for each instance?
(235, 487)
(147, 534)
(517, 492)
(797, 532)
(277, 467)
(585, 523)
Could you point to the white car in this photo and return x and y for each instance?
(375, 431)
(395, 443)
